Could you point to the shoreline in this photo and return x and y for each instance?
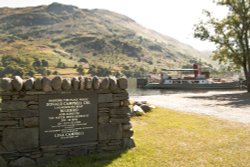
(228, 105)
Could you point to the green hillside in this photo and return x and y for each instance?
(95, 39)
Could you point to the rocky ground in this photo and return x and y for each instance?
(229, 105)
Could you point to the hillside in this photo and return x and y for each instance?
(67, 34)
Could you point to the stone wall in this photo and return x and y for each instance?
(20, 118)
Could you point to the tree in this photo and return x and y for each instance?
(36, 62)
(45, 63)
(60, 64)
(230, 34)
(80, 70)
(15, 65)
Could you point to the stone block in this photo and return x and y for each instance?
(33, 106)
(112, 148)
(110, 131)
(17, 139)
(38, 84)
(103, 110)
(30, 122)
(28, 84)
(3, 163)
(115, 142)
(120, 111)
(3, 115)
(107, 105)
(128, 143)
(127, 126)
(56, 83)
(120, 96)
(96, 83)
(22, 162)
(113, 83)
(66, 84)
(105, 98)
(37, 154)
(128, 133)
(17, 83)
(9, 122)
(82, 82)
(105, 83)
(23, 113)
(75, 83)
(14, 105)
(88, 83)
(33, 103)
(6, 97)
(103, 119)
(26, 97)
(122, 83)
(2, 149)
(5, 84)
(46, 84)
(125, 103)
(119, 120)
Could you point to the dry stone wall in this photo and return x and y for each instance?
(47, 119)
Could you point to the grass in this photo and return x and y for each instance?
(168, 138)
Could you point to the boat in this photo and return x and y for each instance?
(200, 81)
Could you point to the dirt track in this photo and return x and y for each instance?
(229, 105)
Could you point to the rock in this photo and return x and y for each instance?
(26, 139)
(128, 143)
(2, 162)
(22, 162)
(88, 83)
(5, 84)
(30, 122)
(38, 84)
(66, 84)
(110, 131)
(145, 107)
(120, 96)
(103, 119)
(113, 83)
(75, 83)
(82, 82)
(14, 105)
(152, 106)
(105, 83)
(122, 83)
(17, 83)
(128, 133)
(137, 103)
(96, 83)
(127, 126)
(28, 84)
(137, 110)
(56, 83)
(46, 84)
(105, 98)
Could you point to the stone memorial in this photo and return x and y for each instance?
(46, 119)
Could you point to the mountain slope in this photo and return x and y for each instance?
(103, 38)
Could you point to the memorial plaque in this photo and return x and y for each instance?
(68, 118)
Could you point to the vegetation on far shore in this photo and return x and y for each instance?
(168, 138)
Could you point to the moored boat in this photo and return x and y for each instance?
(200, 80)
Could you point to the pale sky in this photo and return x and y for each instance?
(174, 18)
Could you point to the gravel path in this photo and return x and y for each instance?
(229, 105)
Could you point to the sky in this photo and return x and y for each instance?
(174, 18)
